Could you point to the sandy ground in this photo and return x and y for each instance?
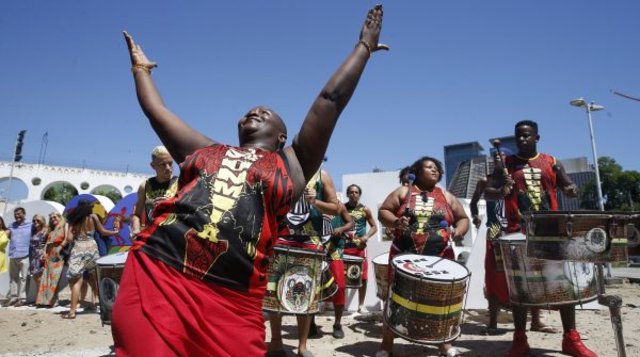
(27, 331)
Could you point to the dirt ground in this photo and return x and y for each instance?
(28, 331)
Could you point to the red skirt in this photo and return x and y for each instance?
(161, 312)
(495, 282)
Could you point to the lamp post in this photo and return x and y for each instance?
(613, 302)
(592, 107)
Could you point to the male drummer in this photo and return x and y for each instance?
(495, 280)
(304, 228)
(155, 189)
(531, 185)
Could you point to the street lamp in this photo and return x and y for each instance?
(592, 107)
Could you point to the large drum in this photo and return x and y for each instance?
(294, 281)
(426, 298)
(585, 236)
(545, 283)
(352, 271)
(329, 286)
(381, 269)
(109, 270)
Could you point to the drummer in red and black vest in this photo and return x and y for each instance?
(495, 280)
(531, 185)
(426, 219)
(304, 228)
(357, 243)
(162, 186)
(194, 281)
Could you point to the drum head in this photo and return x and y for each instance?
(113, 259)
(352, 258)
(296, 289)
(513, 237)
(429, 267)
(382, 259)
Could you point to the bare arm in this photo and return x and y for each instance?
(100, 228)
(346, 218)
(311, 142)
(330, 204)
(373, 227)
(136, 220)
(460, 219)
(473, 205)
(387, 211)
(564, 181)
(179, 138)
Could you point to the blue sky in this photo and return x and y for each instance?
(457, 71)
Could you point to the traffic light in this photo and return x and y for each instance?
(18, 154)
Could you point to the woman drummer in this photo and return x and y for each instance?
(425, 218)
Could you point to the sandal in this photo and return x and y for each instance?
(68, 316)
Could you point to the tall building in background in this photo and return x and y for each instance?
(580, 173)
(457, 153)
(508, 142)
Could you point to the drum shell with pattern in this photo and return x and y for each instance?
(545, 283)
(329, 286)
(352, 271)
(294, 281)
(585, 236)
(426, 298)
(109, 271)
(381, 269)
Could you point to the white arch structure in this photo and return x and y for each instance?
(38, 178)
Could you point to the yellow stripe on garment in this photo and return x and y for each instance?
(328, 284)
(425, 309)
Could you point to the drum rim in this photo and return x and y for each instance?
(349, 257)
(381, 255)
(427, 278)
(288, 248)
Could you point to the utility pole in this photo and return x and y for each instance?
(17, 156)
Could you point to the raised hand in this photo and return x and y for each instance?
(370, 33)
(138, 58)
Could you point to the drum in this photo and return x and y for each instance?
(329, 286)
(352, 271)
(426, 298)
(294, 280)
(109, 271)
(586, 236)
(381, 269)
(545, 283)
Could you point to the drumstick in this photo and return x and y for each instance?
(410, 179)
(496, 144)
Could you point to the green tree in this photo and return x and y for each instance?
(620, 189)
(60, 192)
(109, 192)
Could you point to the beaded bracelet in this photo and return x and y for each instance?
(140, 66)
(366, 45)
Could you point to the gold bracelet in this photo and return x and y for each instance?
(140, 66)
(366, 45)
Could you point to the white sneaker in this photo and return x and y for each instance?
(362, 310)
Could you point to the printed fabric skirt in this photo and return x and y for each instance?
(48, 289)
(83, 257)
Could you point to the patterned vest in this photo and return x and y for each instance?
(534, 188)
(431, 216)
(222, 223)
